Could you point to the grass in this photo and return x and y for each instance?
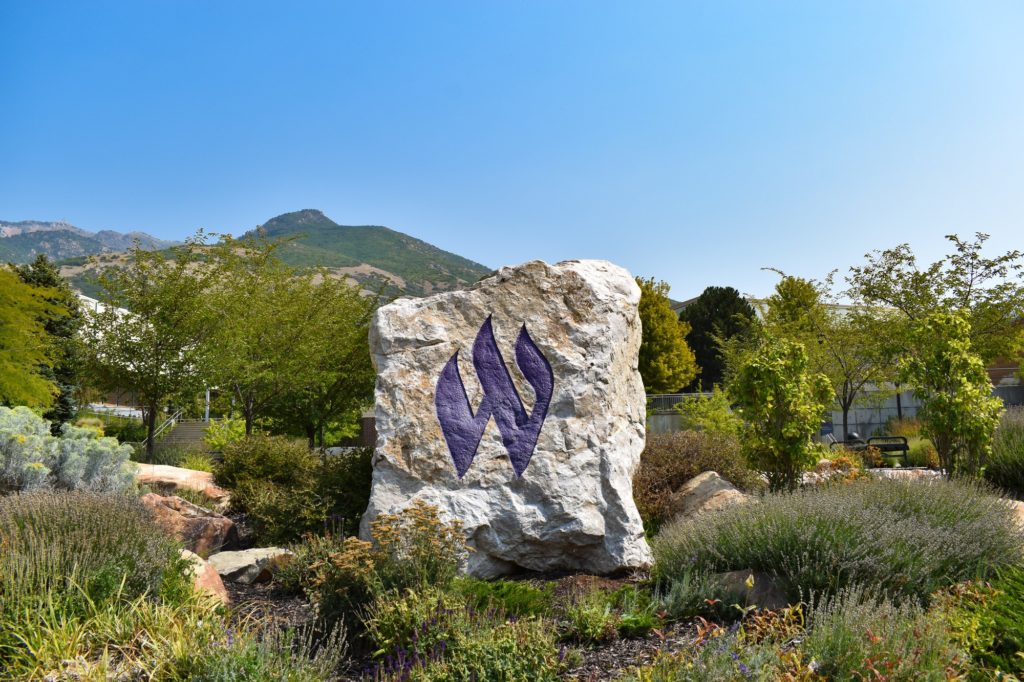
(1005, 468)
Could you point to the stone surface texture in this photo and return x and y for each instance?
(749, 588)
(205, 577)
(704, 493)
(166, 479)
(200, 530)
(250, 566)
(572, 508)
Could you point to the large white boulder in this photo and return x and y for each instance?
(538, 465)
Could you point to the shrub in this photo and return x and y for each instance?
(958, 410)
(1006, 465)
(92, 423)
(671, 459)
(922, 454)
(430, 635)
(986, 620)
(853, 632)
(910, 538)
(273, 459)
(288, 490)
(412, 550)
(198, 461)
(908, 427)
(223, 432)
(782, 404)
(31, 458)
(711, 414)
(99, 541)
(851, 636)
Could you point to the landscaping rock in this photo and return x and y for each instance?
(249, 566)
(907, 474)
(205, 577)
(706, 492)
(200, 530)
(1018, 512)
(538, 465)
(166, 480)
(765, 593)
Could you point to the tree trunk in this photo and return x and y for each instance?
(846, 422)
(150, 431)
(248, 416)
(311, 435)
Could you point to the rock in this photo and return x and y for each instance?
(766, 593)
(249, 566)
(167, 480)
(539, 467)
(1017, 507)
(907, 474)
(200, 530)
(205, 577)
(706, 492)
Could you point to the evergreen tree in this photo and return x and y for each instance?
(62, 326)
(666, 362)
(717, 315)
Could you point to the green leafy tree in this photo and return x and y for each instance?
(782, 403)
(150, 335)
(666, 361)
(712, 413)
(846, 343)
(988, 291)
(958, 411)
(62, 325)
(291, 347)
(25, 347)
(718, 315)
(336, 375)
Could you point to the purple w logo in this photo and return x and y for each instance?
(519, 430)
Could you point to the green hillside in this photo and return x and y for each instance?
(319, 241)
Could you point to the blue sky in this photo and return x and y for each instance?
(692, 142)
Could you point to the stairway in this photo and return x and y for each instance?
(186, 433)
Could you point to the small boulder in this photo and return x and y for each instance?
(249, 566)
(1018, 512)
(200, 530)
(205, 577)
(706, 492)
(167, 480)
(750, 588)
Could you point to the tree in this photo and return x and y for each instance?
(336, 376)
(62, 325)
(288, 345)
(959, 412)
(25, 348)
(782, 402)
(845, 343)
(989, 291)
(717, 315)
(149, 335)
(666, 361)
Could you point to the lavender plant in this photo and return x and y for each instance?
(910, 538)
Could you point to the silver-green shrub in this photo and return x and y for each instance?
(907, 538)
(33, 459)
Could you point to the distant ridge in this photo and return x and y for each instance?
(22, 241)
(377, 258)
(371, 254)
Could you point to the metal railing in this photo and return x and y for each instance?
(168, 423)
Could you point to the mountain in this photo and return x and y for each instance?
(21, 242)
(370, 254)
(377, 258)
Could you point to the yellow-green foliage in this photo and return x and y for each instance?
(24, 344)
(712, 414)
(415, 549)
(958, 410)
(666, 362)
(782, 403)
